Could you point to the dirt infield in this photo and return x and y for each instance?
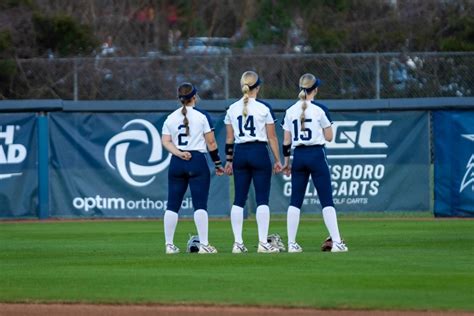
(175, 310)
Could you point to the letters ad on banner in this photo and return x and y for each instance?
(114, 165)
(453, 134)
(377, 161)
(18, 165)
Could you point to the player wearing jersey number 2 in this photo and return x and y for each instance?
(250, 125)
(188, 133)
(307, 126)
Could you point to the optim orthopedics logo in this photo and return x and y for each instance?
(468, 178)
(128, 170)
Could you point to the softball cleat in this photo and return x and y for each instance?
(265, 247)
(293, 247)
(205, 249)
(171, 249)
(339, 247)
(239, 248)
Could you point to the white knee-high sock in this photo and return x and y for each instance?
(237, 221)
(202, 223)
(263, 222)
(293, 220)
(330, 219)
(170, 221)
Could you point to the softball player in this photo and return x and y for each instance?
(250, 124)
(307, 125)
(186, 132)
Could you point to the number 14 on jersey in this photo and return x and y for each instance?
(247, 125)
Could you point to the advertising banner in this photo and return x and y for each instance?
(18, 165)
(453, 134)
(378, 162)
(114, 165)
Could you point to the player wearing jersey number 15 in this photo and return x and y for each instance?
(307, 126)
(250, 125)
(188, 134)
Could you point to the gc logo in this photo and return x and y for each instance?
(360, 136)
(121, 142)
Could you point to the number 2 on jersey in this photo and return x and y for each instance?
(304, 134)
(249, 125)
(182, 142)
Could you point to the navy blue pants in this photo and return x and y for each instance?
(252, 162)
(194, 172)
(310, 160)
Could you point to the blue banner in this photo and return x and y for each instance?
(378, 162)
(18, 165)
(453, 134)
(114, 165)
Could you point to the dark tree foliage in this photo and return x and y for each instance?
(63, 35)
(459, 35)
(270, 26)
(7, 63)
(69, 28)
(7, 4)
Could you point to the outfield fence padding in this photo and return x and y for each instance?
(379, 161)
(114, 165)
(18, 165)
(453, 135)
(105, 159)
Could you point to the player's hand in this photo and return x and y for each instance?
(185, 155)
(277, 167)
(286, 170)
(220, 171)
(228, 168)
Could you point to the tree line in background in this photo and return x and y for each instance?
(58, 28)
(32, 28)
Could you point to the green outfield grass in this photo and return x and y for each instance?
(393, 263)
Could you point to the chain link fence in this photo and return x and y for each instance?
(344, 76)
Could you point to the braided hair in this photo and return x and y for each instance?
(308, 83)
(186, 92)
(248, 82)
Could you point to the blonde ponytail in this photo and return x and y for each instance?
(308, 83)
(248, 82)
(245, 91)
(304, 106)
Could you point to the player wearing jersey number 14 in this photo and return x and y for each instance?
(250, 125)
(188, 134)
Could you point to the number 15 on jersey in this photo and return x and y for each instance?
(302, 134)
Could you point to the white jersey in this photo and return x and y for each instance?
(199, 124)
(252, 128)
(316, 118)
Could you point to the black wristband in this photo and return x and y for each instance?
(217, 164)
(229, 149)
(215, 155)
(286, 150)
(229, 160)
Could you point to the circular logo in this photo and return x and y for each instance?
(128, 169)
